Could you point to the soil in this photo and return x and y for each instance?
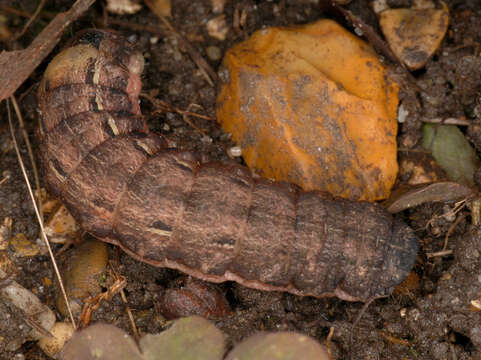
(431, 320)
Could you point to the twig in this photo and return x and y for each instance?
(162, 106)
(10, 10)
(393, 339)
(208, 73)
(92, 304)
(129, 312)
(30, 20)
(448, 121)
(439, 253)
(451, 229)
(5, 178)
(37, 213)
(136, 27)
(328, 343)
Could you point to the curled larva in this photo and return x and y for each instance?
(213, 221)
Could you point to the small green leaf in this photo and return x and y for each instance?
(452, 151)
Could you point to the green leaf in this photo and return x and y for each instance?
(452, 151)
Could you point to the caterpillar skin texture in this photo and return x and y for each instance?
(213, 221)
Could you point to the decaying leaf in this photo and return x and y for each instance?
(60, 225)
(161, 7)
(278, 346)
(441, 191)
(417, 168)
(191, 338)
(414, 34)
(452, 151)
(312, 105)
(16, 66)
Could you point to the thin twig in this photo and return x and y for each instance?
(30, 20)
(162, 106)
(92, 304)
(37, 213)
(11, 10)
(328, 343)
(439, 253)
(129, 312)
(448, 121)
(208, 73)
(451, 229)
(136, 27)
(36, 178)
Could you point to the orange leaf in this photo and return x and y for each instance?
(312, 105)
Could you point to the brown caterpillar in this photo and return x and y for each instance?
(213, 221)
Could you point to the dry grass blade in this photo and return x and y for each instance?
(30, 153)
(37, 213)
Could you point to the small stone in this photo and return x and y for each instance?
(62, 332)
(213, 53)
(217, 27)
(121, 7)
(414, 34)
(234, 151)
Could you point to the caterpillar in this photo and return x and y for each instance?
(214, 221)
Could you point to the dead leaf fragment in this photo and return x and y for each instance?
(162, 7)
(23, 246)
(417, 168)
(61, 226)
(415, 34)
(312, 105)
(441, 191)
(16, 66)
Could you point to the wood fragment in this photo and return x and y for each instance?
(16, 66)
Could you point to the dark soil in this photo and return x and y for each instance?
(430, 321)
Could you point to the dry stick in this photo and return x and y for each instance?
(448, 121)
(37, 213)
(439, 253)
(451, 230)
(129, 312)
(10, 10)
(30, 20)
(328, 342)
(162, 106)
(136, 27)
(30, 153)
(203, 66)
